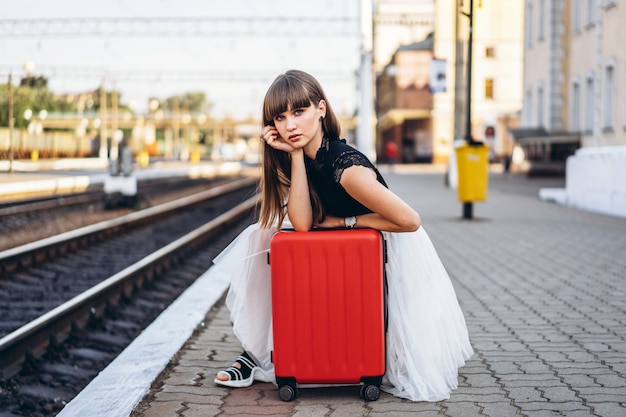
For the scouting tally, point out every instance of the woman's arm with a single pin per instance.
(299, 207)
(390, 212)
(299, 204)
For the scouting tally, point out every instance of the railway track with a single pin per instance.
(42, 217)
(72, 302)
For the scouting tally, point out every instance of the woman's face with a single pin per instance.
(301, 126)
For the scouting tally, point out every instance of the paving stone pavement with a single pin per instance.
(542, 288)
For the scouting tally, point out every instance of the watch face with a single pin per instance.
(350, 221)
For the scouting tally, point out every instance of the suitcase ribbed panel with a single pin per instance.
(327, 305)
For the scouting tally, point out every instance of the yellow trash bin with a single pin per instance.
(473, 169)
(143, 158)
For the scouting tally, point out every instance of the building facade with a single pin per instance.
(575, 97)
(405, 103)
(403, 50)
(424, 121)
(496, 78)
(575, 70)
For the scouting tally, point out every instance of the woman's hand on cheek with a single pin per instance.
(270, 135)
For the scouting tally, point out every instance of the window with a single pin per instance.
(624, 101)
(577, 10)
(540, 106)
(489, 88)
(608, 111)
(588, 126)
(541, 23)
(490, 52)
(529, 25)
(540, 117)
(528, 107)
(591, 12)
(574, 119)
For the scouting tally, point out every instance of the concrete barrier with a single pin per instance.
(596, 180)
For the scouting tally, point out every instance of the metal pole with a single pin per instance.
(468, 206)
(11, 123)
(459, 74)
(468, 121)
(365, 137)
(597, 76)
(103, 123)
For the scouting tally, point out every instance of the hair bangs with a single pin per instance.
(284, 94)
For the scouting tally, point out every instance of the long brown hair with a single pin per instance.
(291, 90)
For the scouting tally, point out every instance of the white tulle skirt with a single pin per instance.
(427, 338)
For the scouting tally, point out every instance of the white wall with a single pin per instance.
(595, 180)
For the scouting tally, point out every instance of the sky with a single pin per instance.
(250, 43)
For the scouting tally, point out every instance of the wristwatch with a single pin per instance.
(350, 221)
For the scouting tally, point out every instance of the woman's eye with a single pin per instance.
(299, 111)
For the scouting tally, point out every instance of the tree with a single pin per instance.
(193, 102)
(33, 94)
(34, 81)
(97, 95)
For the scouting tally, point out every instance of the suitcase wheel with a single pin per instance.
(287, 393)
(370, 392)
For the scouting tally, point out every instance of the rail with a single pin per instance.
(54, 326)
(12, 259)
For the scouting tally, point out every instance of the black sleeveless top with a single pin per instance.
(324, 173)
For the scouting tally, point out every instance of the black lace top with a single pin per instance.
(324, 173)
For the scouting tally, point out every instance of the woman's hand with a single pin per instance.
(270, 135)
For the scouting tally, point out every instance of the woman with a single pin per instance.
(314, 179)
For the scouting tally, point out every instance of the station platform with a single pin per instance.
(541, 286)
(51, 177)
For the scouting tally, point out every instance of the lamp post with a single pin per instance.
(42, 115)
(103, 153)
(29, 67)
(11, 123)
(30, 126)
(468, 207)
(468, 121)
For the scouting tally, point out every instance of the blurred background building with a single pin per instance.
(548, 93)
(573, 120)
(422, 80)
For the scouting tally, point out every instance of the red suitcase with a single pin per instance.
(328, 309)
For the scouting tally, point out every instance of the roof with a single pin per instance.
(541, 135)
(424, 45)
